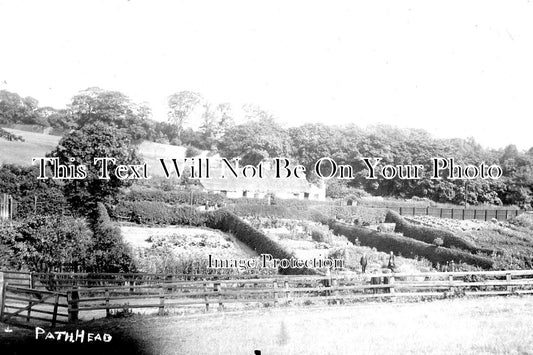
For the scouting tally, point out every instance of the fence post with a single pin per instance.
(32, 281)
(401, 214)
(3, 285)
(206, 298)
(450, 280)
(464, 210)
(218, 288)
(391, 283)
(54, 316)
(75, 296)
(452, 213)
(107, 311)
(508, 279)
(486, 215)
(275, 293)
(161, 300)
(334, 285)
(440, 213)
(287, 292)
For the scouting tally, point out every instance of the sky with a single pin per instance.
(454, 68)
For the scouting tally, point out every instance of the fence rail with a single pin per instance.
(204, 292)
(25, 306)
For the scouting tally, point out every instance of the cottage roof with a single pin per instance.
(267, 184)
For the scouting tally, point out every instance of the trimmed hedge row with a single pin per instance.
(174, 197)
(146, 212)
(230, 223)
(407, 247)
(428, 234)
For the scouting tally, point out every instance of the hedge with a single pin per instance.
(428, 234)
(407, 247)
(230, 223)
(146, 212)
(174, 197)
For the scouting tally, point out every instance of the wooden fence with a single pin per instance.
(203, 292)
(458, 213)
(26, 306)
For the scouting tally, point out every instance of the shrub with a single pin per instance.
(438, 242)
(48, 242)
(406, 246)
(110, 253)
(192, 151)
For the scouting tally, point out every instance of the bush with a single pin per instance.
(191, 152)
(109, 252)
(429, 235)
(43, 243)
(407, 247)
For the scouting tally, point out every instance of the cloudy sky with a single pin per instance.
(454, 68)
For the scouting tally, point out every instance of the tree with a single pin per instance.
(110, 107)
(180, 107)
(255, 141)
(82, 146)
(16, 109)
(253, 112)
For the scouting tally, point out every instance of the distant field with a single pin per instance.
(35, 145)
(38, 145)
(497, 325)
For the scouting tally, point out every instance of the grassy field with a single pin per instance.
(38, 145)
(462, 326)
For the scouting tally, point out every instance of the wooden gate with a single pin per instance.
(29, 307)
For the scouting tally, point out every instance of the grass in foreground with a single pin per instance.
(461, 326)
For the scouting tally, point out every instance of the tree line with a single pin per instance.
(112, 121)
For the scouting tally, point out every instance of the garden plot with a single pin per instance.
(181, 249)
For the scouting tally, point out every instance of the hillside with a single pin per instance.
(39, 144)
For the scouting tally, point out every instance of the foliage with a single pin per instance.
(255, 141)
(180, 107)
(109, 252)
(10, 136)
(82, 146)
(46, 242)
(112, 108)
(429, 235)
(32, 196)
(228, 222)
(407, 247)
(146, 212)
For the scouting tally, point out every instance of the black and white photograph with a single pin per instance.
(266, 177)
